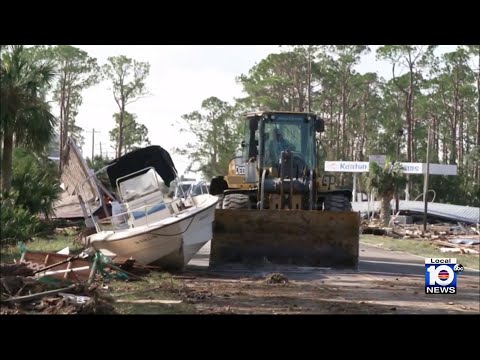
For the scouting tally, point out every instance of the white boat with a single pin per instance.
(153, 227)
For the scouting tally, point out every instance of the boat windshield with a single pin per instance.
(139, 186)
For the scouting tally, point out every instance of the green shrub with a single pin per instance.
(17, 223)
(36, 183)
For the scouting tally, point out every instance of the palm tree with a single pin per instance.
(384, 181)
(25, 117)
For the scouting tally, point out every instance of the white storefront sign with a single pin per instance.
(346, 166)
(408, 168)
(440, 169)
(412, 168)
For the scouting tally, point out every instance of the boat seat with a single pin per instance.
(147, 209)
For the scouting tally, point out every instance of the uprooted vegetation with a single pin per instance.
(20, 293)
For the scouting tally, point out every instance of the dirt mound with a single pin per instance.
(276, 278)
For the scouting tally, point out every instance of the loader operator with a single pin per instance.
(277, 145)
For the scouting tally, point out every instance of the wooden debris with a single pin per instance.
(440, 234)
(40, 262)
(15, 270)
(452, 250)
(149, 301)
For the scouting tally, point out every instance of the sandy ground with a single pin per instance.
(327, 291)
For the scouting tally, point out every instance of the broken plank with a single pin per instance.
(444, 243)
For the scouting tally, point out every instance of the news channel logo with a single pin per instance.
(441, 276)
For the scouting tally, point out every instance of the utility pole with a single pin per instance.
(397, 197)
(93, 142)
(101, 153)
(425, 182)
(60, 145)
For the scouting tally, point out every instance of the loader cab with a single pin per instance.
(268, 134)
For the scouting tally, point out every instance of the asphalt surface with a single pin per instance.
(373, 260)
(390, 281)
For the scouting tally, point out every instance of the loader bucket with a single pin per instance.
(285, 237)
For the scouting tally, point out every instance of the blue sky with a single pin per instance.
(181, 77)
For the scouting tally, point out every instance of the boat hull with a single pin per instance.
(170, 243)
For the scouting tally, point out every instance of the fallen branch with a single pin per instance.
(139, 291)
(116, 268)
(38, 295)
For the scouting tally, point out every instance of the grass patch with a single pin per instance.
(421, 248)
(50, 244)
(157, 286)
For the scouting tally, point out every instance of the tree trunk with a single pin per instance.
(477, 139)
(67, 113)
(330, 149)
(410, 94)
(120, 131)
(436, 140)
(60, 150)
(344, 115)
(337, 147)
(453, 144)
(414, 138)
(385, 210)
(7, 156)
(309, 85)
(62, 116)
(445, 150)
(460, 135)
(453, 126)
(410, 128)
(362, 149)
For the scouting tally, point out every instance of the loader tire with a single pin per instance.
(337, 203)
(236, 201)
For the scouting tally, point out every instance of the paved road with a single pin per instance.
(391, 280)
(373, 260)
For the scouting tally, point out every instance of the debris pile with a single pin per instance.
(454, 238)
(276, 278)
(59, 283)
(22, 293)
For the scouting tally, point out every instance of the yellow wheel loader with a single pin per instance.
(277, 206)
